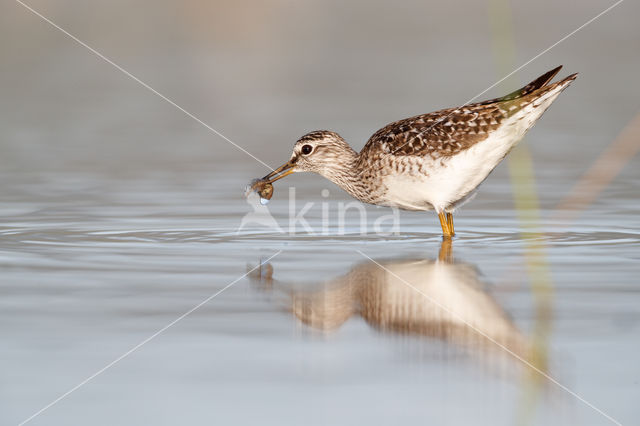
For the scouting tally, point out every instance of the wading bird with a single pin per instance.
(434, 161)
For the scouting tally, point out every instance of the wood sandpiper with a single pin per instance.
(434, 161)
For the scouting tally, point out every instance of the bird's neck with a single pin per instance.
(345, 172)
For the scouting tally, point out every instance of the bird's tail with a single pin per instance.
(550, 91)
(536, 84)
(530, 107)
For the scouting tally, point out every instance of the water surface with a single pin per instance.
(119, 214)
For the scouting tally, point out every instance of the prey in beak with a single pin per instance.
(264, 186)
(282, 171)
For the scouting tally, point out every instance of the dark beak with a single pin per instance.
(282, 171)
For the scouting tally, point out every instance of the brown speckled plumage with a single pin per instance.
(446, 132)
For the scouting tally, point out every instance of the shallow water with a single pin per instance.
(119, 215)
(93, 265)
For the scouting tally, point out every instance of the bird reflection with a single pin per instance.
(436, 298)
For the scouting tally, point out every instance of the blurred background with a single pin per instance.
(118, 212)
(263, 73)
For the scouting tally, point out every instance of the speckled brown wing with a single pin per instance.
(447, 132)
(438, 134)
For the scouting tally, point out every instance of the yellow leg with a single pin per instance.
(446, 233)
(450, 223)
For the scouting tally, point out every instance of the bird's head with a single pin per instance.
(321, 151)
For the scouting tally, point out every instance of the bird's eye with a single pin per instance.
(306, 149)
